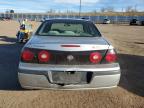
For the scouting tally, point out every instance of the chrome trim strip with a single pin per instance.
(48, 73)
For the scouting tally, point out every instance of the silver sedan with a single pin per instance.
(68, 54)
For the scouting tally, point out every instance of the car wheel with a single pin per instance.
(142, 23)
(130, 23)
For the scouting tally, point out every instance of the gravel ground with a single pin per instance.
(129, 42)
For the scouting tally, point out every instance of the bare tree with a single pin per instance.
(6, 11)
(129, 9)
(103, 9)
(110, 9)
(51, 11)
(94, 11)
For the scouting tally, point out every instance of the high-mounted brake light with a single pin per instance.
(44, 56)
(70, 45)
(95, 57)
(27, 55)
(111, 56)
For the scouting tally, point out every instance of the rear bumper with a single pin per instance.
(33, 77)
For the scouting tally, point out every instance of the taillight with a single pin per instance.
(95, 57)
(44, 56)
(111, 56)
(27, 55)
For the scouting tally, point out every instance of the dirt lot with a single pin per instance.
(129, 42)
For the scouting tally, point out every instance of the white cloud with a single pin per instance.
(76, 2)
(5, 2)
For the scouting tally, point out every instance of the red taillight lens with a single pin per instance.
(27, 55)
(111, 56)
(95, 57)
(44, 56)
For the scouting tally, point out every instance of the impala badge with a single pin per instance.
(70, 57)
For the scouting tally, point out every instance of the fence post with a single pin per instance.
(98, 19)
(116, 19)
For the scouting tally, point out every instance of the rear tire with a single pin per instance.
(130, 24)
(142, 23)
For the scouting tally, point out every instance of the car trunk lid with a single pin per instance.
(68, 43)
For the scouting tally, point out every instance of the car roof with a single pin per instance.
(69, 19)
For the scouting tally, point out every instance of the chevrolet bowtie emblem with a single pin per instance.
(70, 57)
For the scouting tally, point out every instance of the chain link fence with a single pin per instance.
(95, 19)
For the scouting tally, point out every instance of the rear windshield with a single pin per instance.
(68, 28)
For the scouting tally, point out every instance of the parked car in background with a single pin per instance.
(5, 18)
(43, 19)
(136, 22)
(106, 21)
(68, 54)
(1, 18)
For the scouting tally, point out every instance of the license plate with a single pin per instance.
(66, 77)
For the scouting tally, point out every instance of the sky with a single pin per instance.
(38, 6)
